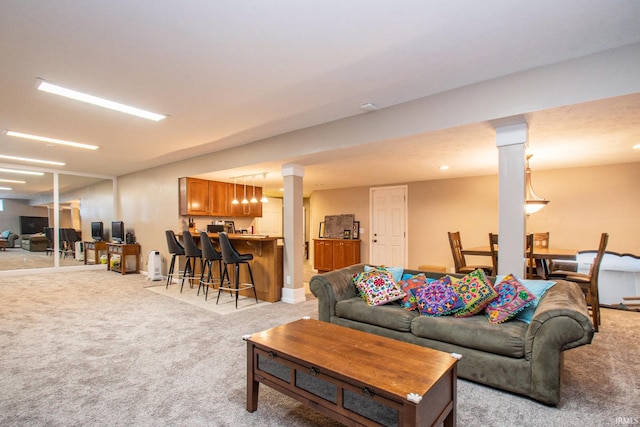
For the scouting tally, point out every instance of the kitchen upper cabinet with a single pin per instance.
(194, 196)
(248, 209)
(201, 197)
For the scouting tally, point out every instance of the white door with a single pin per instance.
(388, 226)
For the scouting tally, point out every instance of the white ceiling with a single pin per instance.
(231, 72)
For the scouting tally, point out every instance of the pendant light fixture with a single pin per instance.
(264, 198)
(235, 197)
(253, 199)
(245, 201)
(533, 203)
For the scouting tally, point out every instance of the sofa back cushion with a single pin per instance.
(390, 316)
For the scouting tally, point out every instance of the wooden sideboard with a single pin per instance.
(331, 254)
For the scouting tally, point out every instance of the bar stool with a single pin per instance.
(176, 250)
(191, 253)
(231, 256)
(209, 256)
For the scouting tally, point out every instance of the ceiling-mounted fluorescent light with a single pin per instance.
(6, 188)
(101, 102)
(13, 181)
(21, 172)
(51, 140)
(26, 159)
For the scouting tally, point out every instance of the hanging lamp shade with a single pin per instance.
(533, 203)
(264, 198)
(235, 198)
(244, 200)
(253, 199)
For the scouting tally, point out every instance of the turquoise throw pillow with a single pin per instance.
(5, 234)
(538, 288)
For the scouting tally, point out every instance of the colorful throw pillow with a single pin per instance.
(408, 283)
(437, 298)
(538, 288)
(5, 234)
(513, 297)
(476, 292)
(377, 287)
(395, 271)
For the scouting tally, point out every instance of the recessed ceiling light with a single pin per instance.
(27, 159)
(101, 102)
(636, 147)
(51, 140)
(444, 167)
(13, 181)
(21, 171)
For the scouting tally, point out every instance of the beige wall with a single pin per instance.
(583, 203)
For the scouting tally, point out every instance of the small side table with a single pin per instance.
(96, 247)
(122, 250)
(3, 245)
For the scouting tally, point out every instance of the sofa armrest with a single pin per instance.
(561, 322)
(333, 286)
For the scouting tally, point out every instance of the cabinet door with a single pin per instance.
(219, 201)
(248, 209)
(345, 253)
(194, 196)
(322, 255)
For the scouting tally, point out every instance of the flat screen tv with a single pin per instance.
(33, 224)
(117, 231)
(97, 231)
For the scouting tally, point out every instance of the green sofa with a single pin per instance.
(34, 242)
(521, 358)
(10, 237)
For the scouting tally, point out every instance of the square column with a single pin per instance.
(511, 141)
(293, 227)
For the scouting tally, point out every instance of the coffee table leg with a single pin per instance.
(252, 384)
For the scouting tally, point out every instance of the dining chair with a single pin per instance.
(541, 268)
(458, 257)
(588, 282)
(493, 247)
(192, 253)
(532, 269)
(176, 250)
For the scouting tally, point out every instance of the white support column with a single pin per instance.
(511, 142)
(293, 257)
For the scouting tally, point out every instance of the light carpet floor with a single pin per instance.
(98, 348)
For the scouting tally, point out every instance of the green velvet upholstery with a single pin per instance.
(522, 358)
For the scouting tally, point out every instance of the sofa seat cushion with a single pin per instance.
(506, 339)
(390, 316)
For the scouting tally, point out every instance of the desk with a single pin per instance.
(538, 253)
(96, 247)
(123, 250)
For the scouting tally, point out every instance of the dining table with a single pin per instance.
(542, 256)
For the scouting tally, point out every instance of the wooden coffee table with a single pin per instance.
(352, 376)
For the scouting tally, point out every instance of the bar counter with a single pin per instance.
(266, 265)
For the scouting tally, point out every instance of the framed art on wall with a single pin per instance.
(355, 232)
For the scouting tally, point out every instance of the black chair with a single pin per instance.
(191, 253)
(70, 237)
(48, 232)
(209, 256)
(175, 249)
(231, 256)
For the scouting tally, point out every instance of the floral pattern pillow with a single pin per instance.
(437, 298)
(407, 284)
(377, 287)
(513, 297)
(476, 292)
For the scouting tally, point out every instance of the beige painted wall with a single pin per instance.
(584, 202)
